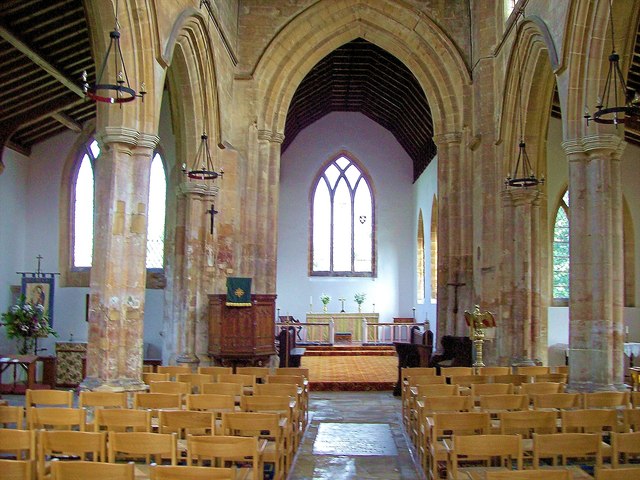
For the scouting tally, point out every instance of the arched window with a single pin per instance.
(82, 191)
(342, 221)
(420, 267)
(156, 214)
(434, 250)
(561, 252)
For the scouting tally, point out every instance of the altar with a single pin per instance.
(343, 323)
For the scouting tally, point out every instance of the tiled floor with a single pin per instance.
(355, 435)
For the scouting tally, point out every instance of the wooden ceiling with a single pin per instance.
(44, 48)
(362, 77)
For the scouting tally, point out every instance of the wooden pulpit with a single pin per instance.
(242, 335)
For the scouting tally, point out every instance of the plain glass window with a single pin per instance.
(156, 214)
(342, 242)
(83, 208)
(561, 251)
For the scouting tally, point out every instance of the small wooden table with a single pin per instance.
(26, 363)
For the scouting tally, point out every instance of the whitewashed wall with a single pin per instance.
(393, 290)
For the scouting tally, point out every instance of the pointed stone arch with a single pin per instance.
(403, 31)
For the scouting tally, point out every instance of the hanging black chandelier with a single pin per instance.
(202, 167)
(119, 91)
(616, 102)
(523, 175)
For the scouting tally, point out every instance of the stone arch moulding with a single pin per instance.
(190, 33)
(403, 31)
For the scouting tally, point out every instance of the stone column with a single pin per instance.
(596, 334)
(118, 273)
(455, 228)
(520, 331)
(191, 259)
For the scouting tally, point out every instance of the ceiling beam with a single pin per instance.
(67, 121)
(36, 58)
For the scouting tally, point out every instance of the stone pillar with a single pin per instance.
(455, 229)
(118, 273)
(596, 333)
(191, 258)
(521, 340)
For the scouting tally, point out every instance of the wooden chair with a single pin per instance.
(85, 446)
(503, 403)
(293, 371)
(173, 370)
(157, 401)
(532, 371)
(247, 381)
(625, 446)
(210, 402)
(261, 426)
(478, 389)
(180, 388)
(635, 399)
(417, 393)
(16, 469)
(464, 382)
(183, 472)
(56, 418)
(482, 448)
(184, 423)
(602, 422)
(196, 380)
(561, 369)
(492, 371)
(413, 381)
(223, 388)
(540, 388)
(18, 444)
(12, 417)
(442, 426)
(124, 420)
(156, 446)
(155, 377)
(618, 474)
(245, 453)
(514, 379)
(261, 373)
(92, 400)
(91, 470)
(148, 368)
(631, 420)
(456, 371)
(215, 371)
(561, 474)
(606, 400)
(566, 445)
(303, 385)
(291, 391)
(556, 401)
(48, 398)
(525, 423)
(427, 407)
(551, 377)
(285, 407)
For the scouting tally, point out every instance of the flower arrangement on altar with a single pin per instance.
(359, 299)
(325, 299)
(27, 322)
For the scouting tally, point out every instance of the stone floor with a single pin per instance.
(355, 435)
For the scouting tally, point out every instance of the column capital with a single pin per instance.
(270, 136)
(595, 143)
(191, 187)
(447, 138)
(127, 136)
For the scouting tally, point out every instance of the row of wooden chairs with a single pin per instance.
(267, 431)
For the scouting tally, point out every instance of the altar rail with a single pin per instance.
(376, 333)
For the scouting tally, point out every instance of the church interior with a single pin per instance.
(248, 183)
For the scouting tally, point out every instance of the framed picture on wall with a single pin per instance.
(39, 291)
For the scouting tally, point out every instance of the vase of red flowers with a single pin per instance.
(26, 323)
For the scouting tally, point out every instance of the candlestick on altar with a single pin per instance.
(477, 321)
(342, 299)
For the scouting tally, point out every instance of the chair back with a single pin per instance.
(618, 474)
(414, 380)
(247, 381)
(437, 390)
(83, 470)
(124, 420)
(157, 401)
(551, 377)
(184, 472)
(186, 422)
(56, 418)
(540, 388)
(463, 423)
(478, 389)
(154, 446)
(455, 371)
(219, 449)
(181, 388)
(631, 420)
(501, 403)
(20, 444)
(515, 379)
(148, 377)
(11, 417)
(215, 371)
(89, 446)
(196, 380)
(468, 380)
(261, 373)
(447, 403)
(102, 399)
(508, 448)
(532, 371)
(223, 388)
(589, 421)
(49, 398)
(293, 371)
(173, 370)
(527, 422)
(606, 400)
(561, 474)
(556, 401)
(624, 445)
(566, 445)
(491, 371)
(277, 389)
(407, 372)
(16, 469)
(211, 402)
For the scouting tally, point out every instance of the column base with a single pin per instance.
(589, 387)
(95, 384)
(522, 362)
(190, 359)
